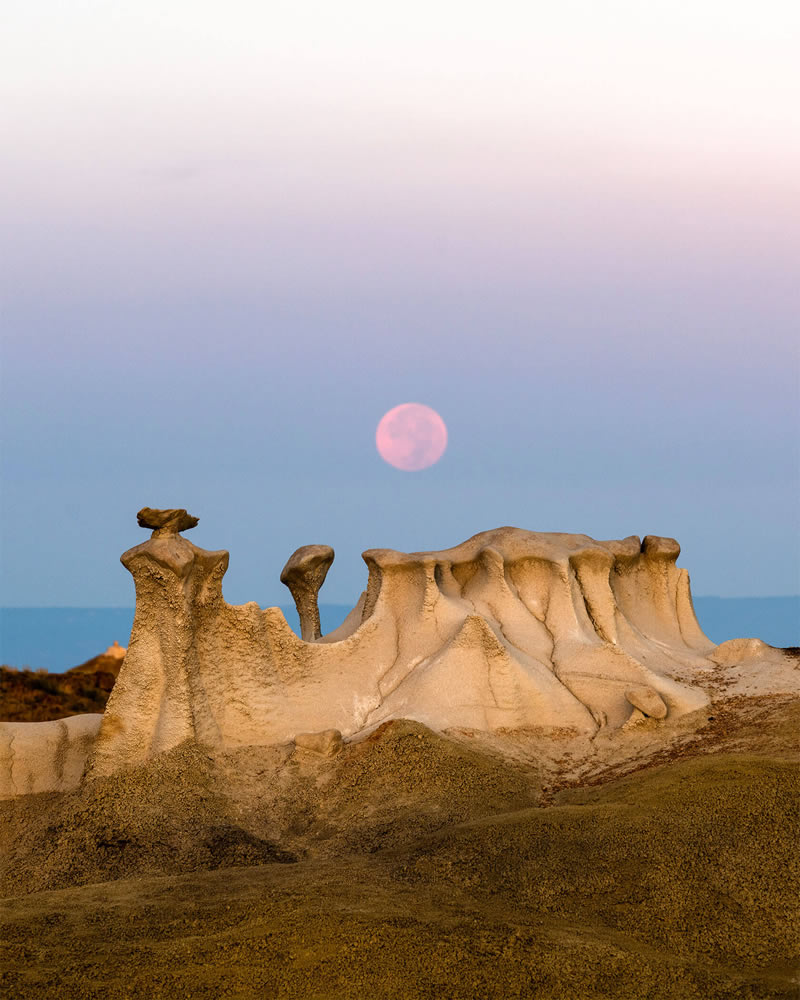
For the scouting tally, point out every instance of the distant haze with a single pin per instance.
(234, 236)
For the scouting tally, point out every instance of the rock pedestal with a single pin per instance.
(511, 629)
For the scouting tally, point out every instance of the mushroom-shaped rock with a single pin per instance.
(166, 522)
(304, 574)
(327, 743)
(648, 701)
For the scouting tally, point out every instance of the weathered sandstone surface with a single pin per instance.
(45, 756)
(511, 630)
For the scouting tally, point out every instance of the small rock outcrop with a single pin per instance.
(327, 743)
(648, 701)
(115, 651)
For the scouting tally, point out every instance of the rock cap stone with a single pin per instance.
(309, 561)
(166, 522)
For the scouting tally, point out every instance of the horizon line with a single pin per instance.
(338, 604)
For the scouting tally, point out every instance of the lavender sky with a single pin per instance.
(234, 235)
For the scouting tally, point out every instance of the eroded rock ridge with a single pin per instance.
(512, 629)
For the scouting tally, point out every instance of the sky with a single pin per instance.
(235, 235)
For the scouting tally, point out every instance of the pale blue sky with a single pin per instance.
(234, 236)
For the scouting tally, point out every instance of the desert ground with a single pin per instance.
(657, 862)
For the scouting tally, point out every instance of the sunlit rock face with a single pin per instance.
(45, 756)
(511, 629)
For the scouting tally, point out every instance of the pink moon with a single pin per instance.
(411, 437)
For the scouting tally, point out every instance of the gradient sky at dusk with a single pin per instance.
(235, 235)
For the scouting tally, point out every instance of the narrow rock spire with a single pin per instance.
(304, 574)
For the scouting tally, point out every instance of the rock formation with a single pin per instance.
(304, 574)
(510, 630)
(45, 756)
(166, 522)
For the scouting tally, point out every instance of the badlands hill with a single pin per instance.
(39, 696)
(518, 770)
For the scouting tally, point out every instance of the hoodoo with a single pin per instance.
(512, 629)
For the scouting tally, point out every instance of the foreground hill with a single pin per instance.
(39, 696)
(420, 865)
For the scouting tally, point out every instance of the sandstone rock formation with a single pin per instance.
(510, 630)
(45, 756)
(115, 651)
(304, 574)
(166, 522)
(327, 743)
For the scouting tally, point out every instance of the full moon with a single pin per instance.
(411, 437)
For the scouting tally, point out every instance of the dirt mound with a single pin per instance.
(419, 865)
(404, 781)
(168, 817)
(675, 884)
(188, 811)
(697, 858)
(399, 783)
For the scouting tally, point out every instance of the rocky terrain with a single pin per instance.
(40, 696)
(416, 864)
(519, 769)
